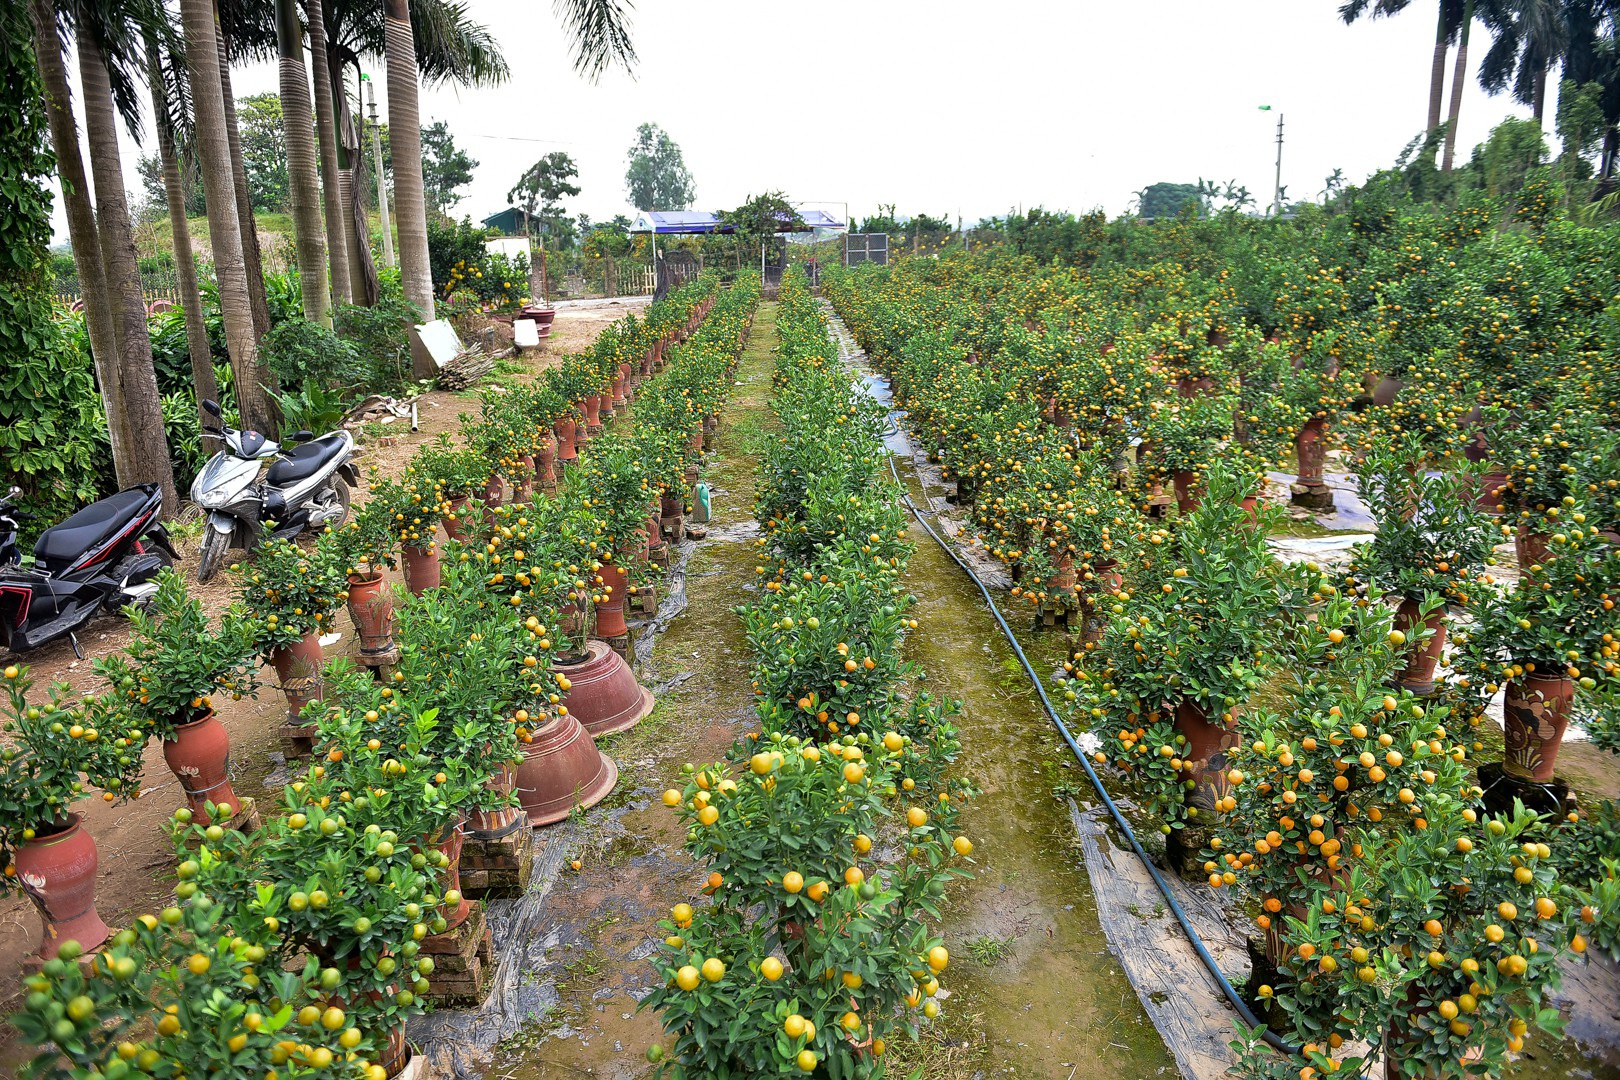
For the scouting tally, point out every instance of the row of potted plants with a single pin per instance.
(1289, 729)
(814, 950)
(359, 865)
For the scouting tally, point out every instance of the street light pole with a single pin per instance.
(382, 186)
(1277, 195)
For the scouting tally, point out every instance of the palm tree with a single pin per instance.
(298, 122)
(1459, 78)
(326, 134)
(170, 105)
(224, 224)
(1449, 20)
(82, 235)
(405, 135)
(252, 262)
(110, 45)
(1530, 37)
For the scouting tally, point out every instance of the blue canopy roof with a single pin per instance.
(668, 222)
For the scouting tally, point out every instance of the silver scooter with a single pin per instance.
(306, 487)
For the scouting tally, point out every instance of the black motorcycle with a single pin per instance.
(100, 559)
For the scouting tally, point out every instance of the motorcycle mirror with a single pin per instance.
(13, 492)
(302, 436)
(212, 408)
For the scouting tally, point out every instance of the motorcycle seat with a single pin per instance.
(59, 545)
(302, 462)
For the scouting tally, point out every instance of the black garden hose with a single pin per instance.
(1226, 987)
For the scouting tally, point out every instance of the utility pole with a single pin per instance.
(1277, 197)
(382, 185)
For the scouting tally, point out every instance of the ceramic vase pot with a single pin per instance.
(655, 530)
(1421, 660)
(610, 608)
(450, 845)
(1387, 389)
(571, 626)
(671, 509)
(422, 570)
(1310, 450)
(371, 606)
(564, 430)
(525, 485)
(1535, 715)
(1103, 581)
(545, 469)
(1205, 753)
(455, 524)
(494, 492)
(395, 1054)
(561, 769)
(603, 693)
(298, 670)
(494, 824)
(593, 414)
(199, 755)
(1182, 480)
(58, 871)
(1530, 547)
(1490, 493)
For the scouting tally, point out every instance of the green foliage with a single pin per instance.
(540, 191)
(51, 432)
(761, 218)
(381, 336)
(1164, 200)
(53, 751)
(264, 151)
(657, 177)
(287, 592)
(304, 354)
(311, 408)
(446, 168)
(175, 660)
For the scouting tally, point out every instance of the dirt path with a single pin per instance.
(601, 920)
(135, 872)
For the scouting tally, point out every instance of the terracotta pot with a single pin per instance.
(1535, 715)
(451, 847)
(493, 824)
(1387, 389)
(562, 769)
(1310, 448)
(671, 509)
(617, 394)
(371, 606)
(1205, 754)
(610, 609)
(1251, 507)
(593, 414)
(395, 1053)
(545, 469)
(571, 625)
(421, 569)
(1418, 677)
(1105, 579)
(298, 670)
(199, 755)
(1490, 489)
(455, 526)
(655, 531)
(1186, 500)
(1198, 387)
(1530, 547)
(525, 485)
(603, 693)
(494, 492)
(564, 430)
(1062, 582)
(58, 872)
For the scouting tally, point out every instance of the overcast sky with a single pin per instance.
(949, 107)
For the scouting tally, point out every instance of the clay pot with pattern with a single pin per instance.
(545, 458)
(371, 606)
(1535, 716)
(564, 429)
(1421, 660)
(199, 755)
(610, 608)
(422, 569)
(57, 869)
(298, 671)
(450, 845)
(603, 693)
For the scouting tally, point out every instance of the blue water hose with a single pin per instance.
(1226, 987)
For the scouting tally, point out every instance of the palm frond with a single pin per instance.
(120, 29)
(451, 47)
(600, 30)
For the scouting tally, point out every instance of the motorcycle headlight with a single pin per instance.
(212, 500)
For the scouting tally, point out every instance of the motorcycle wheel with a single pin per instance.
(340, 490)
(211, 552)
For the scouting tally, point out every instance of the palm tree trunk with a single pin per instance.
(326, 130)
(1459, 77)
(203, 381)
(1437, 72)
(143, 406)
(298, 122)
(86, 243)
(405, 133)
(224, 224)
(1538, 106)
(251, 258)
(362, 268)
(354, 233)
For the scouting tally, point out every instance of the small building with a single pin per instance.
(512, 222)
